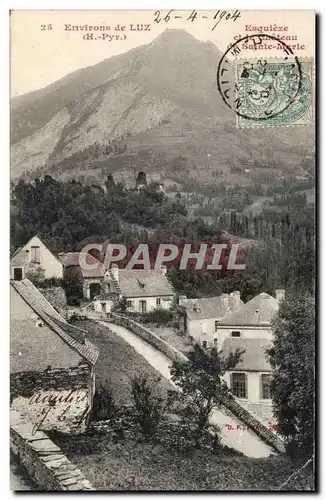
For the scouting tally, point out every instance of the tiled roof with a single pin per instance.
(258, 311)
(144, 283)
(254, 358)
(212, 307)
(74, 337)
(73, 259)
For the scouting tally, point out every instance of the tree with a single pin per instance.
(73, 283)
(148, 408)
(35, 274)
(292, 357)
(201, 385)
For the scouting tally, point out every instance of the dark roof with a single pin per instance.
(73, 259)
(72, 336)
(258, 311)
(207, 308)
(254, 358)
(144, 283)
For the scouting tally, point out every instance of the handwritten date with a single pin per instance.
(218, 16)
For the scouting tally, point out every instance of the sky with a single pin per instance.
(43, 51)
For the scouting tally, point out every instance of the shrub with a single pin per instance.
(104, 406)
(158, 316)
(148, 408)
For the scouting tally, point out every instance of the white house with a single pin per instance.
(35, 254)
(228, 323)
(249, 329)
(202, 316)
(144, 290)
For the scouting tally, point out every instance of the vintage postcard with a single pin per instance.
(162, 266)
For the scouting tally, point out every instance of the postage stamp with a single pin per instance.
(264, 91)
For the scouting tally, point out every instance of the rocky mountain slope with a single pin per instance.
(160, 97)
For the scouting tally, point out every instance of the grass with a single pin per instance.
(136, 466)
(118, 362)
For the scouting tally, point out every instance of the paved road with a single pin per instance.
(245, 441)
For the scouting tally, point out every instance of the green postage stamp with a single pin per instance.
(274, 92)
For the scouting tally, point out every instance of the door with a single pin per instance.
(18, 273)
(94, 290)
(143, 306)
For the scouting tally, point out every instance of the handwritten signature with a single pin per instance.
(55, 402)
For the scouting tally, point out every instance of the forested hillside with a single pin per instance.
(279, 249)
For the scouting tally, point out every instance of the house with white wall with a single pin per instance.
(35, 254)
(249, 329)
(52, 378)
(225, 321)
(144, 290)
(202, 316)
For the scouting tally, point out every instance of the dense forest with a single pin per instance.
(280, 252)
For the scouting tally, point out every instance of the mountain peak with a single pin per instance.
(176, 35)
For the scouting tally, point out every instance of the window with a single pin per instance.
(265, 386)
(35, 256)
(235, 334)
(158, 302)
(204, 344)
(216, 325)
(129, 303)
(239, 385)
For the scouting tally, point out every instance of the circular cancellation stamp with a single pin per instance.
(266, 91)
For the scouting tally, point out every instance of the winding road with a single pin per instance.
(244, 441)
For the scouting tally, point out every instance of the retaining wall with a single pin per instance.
(174, 354)
(153, 339)
(43, 460)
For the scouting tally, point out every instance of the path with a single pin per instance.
(245, 441)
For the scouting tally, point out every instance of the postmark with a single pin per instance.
(264, 87)
(265, 91)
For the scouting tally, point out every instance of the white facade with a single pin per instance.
(32, 255)
(147, 304)
(202, 330)
(248, 332)
(254, 387)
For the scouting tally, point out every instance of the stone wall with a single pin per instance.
(43, 460)
(153, 339)
(171, 352)
(54, 399)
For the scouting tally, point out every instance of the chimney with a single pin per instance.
(225, 300)
(234, 301)
(280, 295)
(182, 300)
(115, 272)
(163, 269)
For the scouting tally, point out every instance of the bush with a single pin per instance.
(77, 317)
(51, 283)
(73, 301)
(158, 316)
(104, 406)
(35, 274)
(148, 408)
